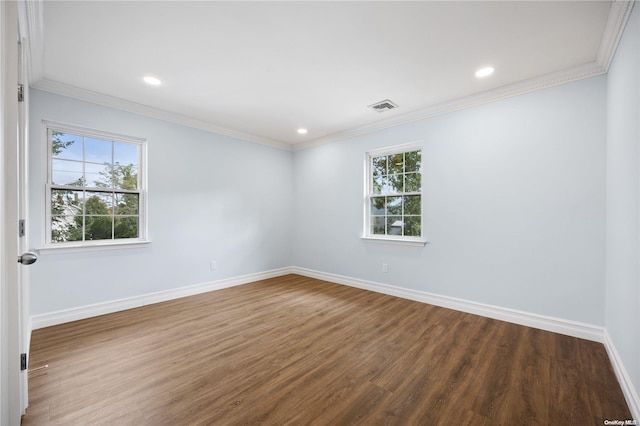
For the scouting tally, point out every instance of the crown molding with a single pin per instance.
(148, 111)
(616, 21)
(30, 20)
(31, 23)
(32, 34)
(549, 80)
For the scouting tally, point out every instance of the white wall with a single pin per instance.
(211, 197)
(622, 307)
(514, 197)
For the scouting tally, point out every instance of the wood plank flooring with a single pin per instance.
(299, 351)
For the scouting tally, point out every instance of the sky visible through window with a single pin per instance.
(78, 159)
(95, 188)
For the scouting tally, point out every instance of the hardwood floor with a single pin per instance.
(295, 350)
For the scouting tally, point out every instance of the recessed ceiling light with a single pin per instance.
(153, 81)
(484, 72)
(302, 131)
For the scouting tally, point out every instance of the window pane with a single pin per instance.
(412, 182)
(98, 175)
(379, 166)
(396, 163)
(66, 173)
(412, 226)
(125, 177)
(126, 227)
(394, 225)
(378, 225)
(394, 205)
(64, 145)
(98, 228)
(66, 202)
(412, 204)
(66, 228)
(127, 204)
(396, 184)
(377, 185)
(125, 154)
(98, 203)
(377, 206)
(413, 161)
(98, 151)
(388, 184)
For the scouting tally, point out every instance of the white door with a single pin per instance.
(15, 333)
(26, 257)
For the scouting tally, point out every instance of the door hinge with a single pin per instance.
(23, 362)
(21, 228)
(20, 92)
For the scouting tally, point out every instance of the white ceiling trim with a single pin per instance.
(555, 79)
(617, 20)
(31, 23)
(618, 16)
(148, 111)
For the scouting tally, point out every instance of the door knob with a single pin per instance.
(27, 258)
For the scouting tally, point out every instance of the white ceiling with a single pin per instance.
(260, 70)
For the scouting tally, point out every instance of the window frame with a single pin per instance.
(48, 245)
(367, 235)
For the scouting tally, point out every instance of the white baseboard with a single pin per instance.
(88, 311)
(629, 391)
(556, 325)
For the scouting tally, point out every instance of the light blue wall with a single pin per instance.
(622, 307)
(211, 197)
(514, 197)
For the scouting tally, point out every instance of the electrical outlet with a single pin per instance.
(385, 268)
(213, 265)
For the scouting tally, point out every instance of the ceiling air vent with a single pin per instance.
(383, 105)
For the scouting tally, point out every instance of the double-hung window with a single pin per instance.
(96, 187)
(393, 199)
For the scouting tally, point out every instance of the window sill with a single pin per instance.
(414, 242)
(97, 246)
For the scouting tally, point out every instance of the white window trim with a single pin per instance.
(375, 238)
(49, 247)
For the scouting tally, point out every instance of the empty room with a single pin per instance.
(320, 212)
